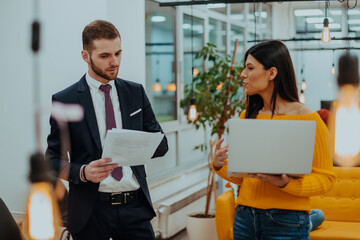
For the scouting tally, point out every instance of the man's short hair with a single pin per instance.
(98, 29)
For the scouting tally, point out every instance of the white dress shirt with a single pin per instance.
(110, 184)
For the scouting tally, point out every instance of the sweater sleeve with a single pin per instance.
(322, 177)
(222, 171)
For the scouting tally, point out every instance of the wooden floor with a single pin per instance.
(181, 236)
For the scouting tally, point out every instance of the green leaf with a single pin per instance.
(210, 101)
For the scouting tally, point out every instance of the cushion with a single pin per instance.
(335, 230)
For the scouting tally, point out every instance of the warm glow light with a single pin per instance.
(345, 128)
(333, 71)
(171, 87)
(325, 35)
(219, 87)
(41, 212)
(303, 85)
(196, 72)
(192, 113)
(157, 86)
(302, 97)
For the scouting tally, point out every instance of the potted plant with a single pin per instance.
(217, 93)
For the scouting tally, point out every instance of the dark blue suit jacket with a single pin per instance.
(85, 145)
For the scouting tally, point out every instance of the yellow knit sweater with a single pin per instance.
(295, 196)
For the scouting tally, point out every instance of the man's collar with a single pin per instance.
(96, 84)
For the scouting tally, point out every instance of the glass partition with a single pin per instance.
(217, 34)
(161, 84)
(192, 44)
(237, 33)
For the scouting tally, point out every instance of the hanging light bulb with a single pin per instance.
(192, 115)
(195, 72)
(171, 87)
(157, 86)
(42, 211)
(344, 121)
(325, 35)
(303, 85)
(219, 87)
(302, 97)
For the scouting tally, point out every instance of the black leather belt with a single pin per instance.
(119, 197)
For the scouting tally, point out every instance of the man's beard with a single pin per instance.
(101, 73)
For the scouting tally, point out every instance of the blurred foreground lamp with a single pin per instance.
(344, 125)
(192, 114)
(302, 96)
(157, 86)
(325, 35)
(42, 210)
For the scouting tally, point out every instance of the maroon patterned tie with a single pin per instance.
(110, 123)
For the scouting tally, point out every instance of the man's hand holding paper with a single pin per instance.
(130, 147)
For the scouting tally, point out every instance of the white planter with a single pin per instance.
(201, 228)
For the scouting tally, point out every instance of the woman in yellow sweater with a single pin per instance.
(271, 206)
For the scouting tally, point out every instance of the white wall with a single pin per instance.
(16, 108)
(129, 18)
(60, 64)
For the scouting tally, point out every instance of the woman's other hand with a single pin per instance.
(278, 180)
(220, 155)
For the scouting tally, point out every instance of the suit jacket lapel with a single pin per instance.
(124, 103)
(90, 117)
(125, 106)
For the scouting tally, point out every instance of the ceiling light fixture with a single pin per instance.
(158, 18)
(325, 35)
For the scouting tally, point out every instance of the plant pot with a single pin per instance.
(201, 228)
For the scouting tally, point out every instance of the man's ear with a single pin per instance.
(86, 56)
(272, 73)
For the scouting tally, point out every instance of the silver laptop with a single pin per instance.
(270, 146)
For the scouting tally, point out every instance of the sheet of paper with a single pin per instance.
(130, 147)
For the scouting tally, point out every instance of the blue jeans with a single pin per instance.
(316, 218)
(270, 224)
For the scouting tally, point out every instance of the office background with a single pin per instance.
(151, 50)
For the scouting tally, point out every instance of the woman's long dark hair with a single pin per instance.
(273, 54)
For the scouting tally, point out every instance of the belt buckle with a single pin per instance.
(125, 197)
(112, 199)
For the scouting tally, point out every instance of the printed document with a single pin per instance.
(130, 147)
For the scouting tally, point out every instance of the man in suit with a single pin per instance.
(104, 200)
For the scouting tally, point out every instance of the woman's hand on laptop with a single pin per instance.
(278, 180)
(220, 156)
